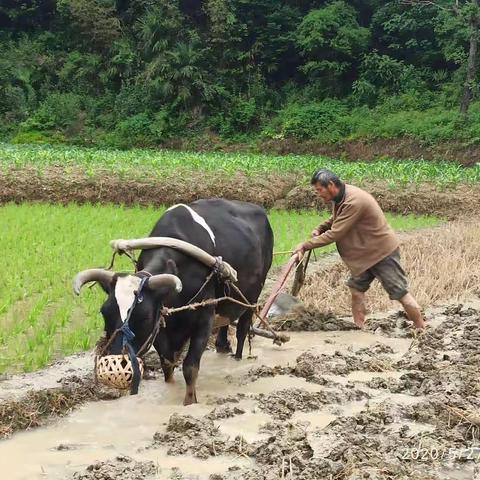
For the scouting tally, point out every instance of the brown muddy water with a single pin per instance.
(100, 430)
(342, 404)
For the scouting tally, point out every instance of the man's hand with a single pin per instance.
(315, 232)
(300, 250)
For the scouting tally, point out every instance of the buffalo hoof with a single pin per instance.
(223, 349)
(190, 400)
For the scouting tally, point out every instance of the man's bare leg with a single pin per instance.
(359, 310)
(412, 310)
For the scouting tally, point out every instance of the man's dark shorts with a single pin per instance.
(390, 274)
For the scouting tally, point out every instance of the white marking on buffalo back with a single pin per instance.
(125, 293)
(197, 218)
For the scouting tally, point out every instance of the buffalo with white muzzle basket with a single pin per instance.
(151, 308)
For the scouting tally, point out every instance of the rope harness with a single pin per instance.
(222, 270)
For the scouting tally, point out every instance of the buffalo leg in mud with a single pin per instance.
(243, 326)
(222, 345)
(191, 364)
(168, 367)
(167, 361)
(168, 351)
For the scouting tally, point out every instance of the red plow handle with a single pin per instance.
(279, 285)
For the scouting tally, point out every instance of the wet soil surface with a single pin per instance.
(378, 404)
(301, 319)
(121, 468)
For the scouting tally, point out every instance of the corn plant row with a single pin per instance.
(145, 163)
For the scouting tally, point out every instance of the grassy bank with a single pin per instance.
(45, 246)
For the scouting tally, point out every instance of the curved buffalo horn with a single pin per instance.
(155, 242)
(165, 280)
(185, 247)
(92, 275)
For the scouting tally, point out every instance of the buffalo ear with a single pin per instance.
(171, 267)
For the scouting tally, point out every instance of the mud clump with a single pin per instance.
(223, 412)
(310, 375)
(228, 399)
(197, 436)
(377, 348)
(395, 325)
(284, 403)
(285, 453)
(444, 362)
(460, 310)
(62, 447)
(299, 318)
(263, 372)
(311, 366)
(285, 441)
(122, 468)
(379, 440)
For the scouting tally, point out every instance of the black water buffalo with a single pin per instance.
(238, 232)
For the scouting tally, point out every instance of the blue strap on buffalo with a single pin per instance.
(128, 337)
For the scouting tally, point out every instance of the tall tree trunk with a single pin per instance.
(472, 60)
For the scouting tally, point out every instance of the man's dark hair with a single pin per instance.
(324, 177)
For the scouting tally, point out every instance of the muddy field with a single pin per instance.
(334, 403)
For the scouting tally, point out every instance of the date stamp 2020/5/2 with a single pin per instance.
(431, 454)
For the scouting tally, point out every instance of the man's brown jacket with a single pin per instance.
(360, 230)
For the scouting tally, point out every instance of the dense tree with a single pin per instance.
(331, 41)
(141, 71)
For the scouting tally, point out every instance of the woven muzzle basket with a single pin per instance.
(116, 370)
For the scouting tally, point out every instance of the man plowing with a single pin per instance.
(365, 242)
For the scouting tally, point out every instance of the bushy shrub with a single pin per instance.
(35, 137)
(382, 76)
(323, 121)
(131, 100)
(238, 116)
(404, 115)
(134, 130)
(142, 129)
(57, 111)
(13, 107)
(428, 125)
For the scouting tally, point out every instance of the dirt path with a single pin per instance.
(329, 404)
